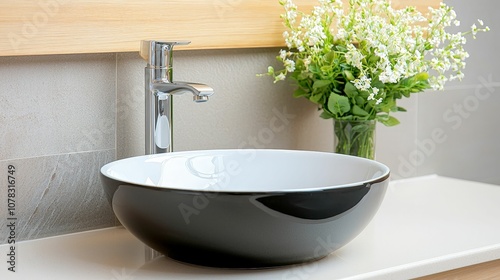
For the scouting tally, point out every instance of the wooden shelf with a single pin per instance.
(94, 26)
(488, 270)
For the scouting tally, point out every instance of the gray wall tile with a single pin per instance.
(130, 105)
(56, 104)
(394, 145)
(467, 120)
(57, 118)
(57, 195)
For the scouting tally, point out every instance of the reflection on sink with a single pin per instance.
(245, 208)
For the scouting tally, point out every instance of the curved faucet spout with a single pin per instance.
(200, 92)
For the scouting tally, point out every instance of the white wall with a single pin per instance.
(62, 117)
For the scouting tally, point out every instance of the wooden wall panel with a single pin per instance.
(34, 27)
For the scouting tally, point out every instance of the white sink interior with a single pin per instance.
(245, 170)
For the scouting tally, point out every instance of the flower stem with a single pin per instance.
(355, 138)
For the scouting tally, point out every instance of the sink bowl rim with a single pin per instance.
(382, 177)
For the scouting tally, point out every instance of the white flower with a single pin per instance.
(279, 77)
(283, 54)
(289, 65)
(474, 29)
(307, 61)
(354, 57)
(363, 83)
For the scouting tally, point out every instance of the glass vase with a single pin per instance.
(356, 138)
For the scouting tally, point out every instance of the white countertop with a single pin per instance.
(425, 225)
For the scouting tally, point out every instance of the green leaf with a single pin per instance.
(316, 98)
(388, 120)
(424, 76)
(338, 104)
(360, 100)
(360, 128)
(378, 84)
(313, 68)
(321, 83)
(364, 94)
(341, 48)
(300, 93)
(350, 90)
(348, 75)
(401, 109)
(326, 115)
(301, 76)
(387, 105)
(329, 57)
(326, 69)
(373, 59)
(356, 110)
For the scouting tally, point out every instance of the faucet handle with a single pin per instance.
(158, 54)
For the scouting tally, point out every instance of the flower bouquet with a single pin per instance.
(356, 60)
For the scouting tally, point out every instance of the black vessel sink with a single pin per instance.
(245, 208)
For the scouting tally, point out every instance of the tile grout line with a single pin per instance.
(470, 86)
(58, 154)
(116, 106)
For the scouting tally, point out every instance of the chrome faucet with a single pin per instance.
(159, 91)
